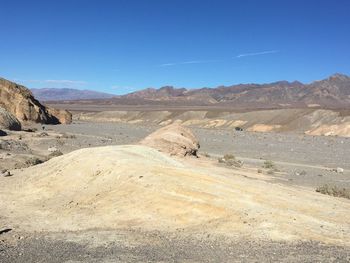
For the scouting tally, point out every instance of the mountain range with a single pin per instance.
(49, 94)
(332, 92)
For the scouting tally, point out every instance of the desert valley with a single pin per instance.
(162, 179)
(182, 131)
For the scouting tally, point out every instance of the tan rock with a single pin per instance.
(19, 101)
(8, 121)
(173, 139)
(63, 116)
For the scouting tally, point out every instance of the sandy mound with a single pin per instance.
(331, 130)
(8, 121)
(118, 187)
(173, 139)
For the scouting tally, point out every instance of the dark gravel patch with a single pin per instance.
(163, 248)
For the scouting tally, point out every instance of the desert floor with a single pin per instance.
(302, 159)
(303, 162)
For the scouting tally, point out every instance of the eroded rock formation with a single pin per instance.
(173, 139)
(19, 101)
(8, 121)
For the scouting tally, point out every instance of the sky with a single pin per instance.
(122, 46)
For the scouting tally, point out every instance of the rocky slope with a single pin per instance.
(55, 94)
(19, 101)
(8, 121)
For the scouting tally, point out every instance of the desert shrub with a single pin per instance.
(230, 160)
(33, 161)
(268, 164)
(67, 136)
(60, 142)
(334, 190)
(229, 156)
(259, 171)
(55, 154)
(43, 134)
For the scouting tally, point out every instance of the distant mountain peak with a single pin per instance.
(339, 76)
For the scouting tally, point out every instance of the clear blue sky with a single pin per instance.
(121, 46)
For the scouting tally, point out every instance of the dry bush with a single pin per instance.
(33, 161)
(43, 134)
(334, 190)
(268, 164)
(229, 156)
(230, 160)
(55, 154)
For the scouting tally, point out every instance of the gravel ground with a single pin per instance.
(302, 160)
(157, 247)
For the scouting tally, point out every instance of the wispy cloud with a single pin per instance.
(257, 53)
(219, 60)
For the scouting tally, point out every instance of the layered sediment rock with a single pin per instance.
(8, 121)
(19, 101)
(173, 139)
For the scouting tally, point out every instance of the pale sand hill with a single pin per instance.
(131, 186)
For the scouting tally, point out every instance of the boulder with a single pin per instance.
(173, 139)
(19, 101)
(8, 121)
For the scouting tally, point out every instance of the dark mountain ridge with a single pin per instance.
(332, 93)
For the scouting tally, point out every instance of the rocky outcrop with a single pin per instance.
(8, 121)
(19, 101)
(173, 139)
(63, 116)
